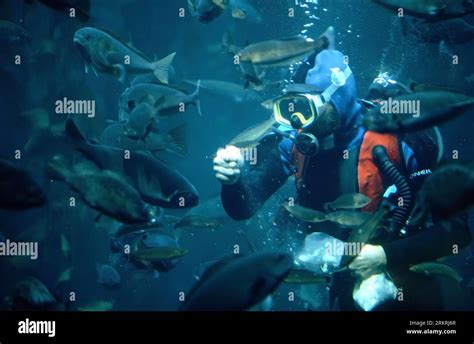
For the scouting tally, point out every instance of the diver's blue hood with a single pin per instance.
(344, 99)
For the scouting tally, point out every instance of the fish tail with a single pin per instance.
(161, 68)
(192, 8)
(195, 97)
(178, 138)
(73, 131)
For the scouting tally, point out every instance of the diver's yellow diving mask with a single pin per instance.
(297, 110)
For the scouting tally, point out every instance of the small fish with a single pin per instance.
(453, 31)
(38, 118)
(108, 276)
(31, 294)
(65, 275)
(239, 282)
(139, 122)
(348, 218)
(65, 246)
(434, 269)
(173, 141)
(305, 214)
(365, 232)
(158, 239)
(229, 89)
(239, 13)
(105, 53)
(13, 33)
(435, 107)
(298, 276)
(18, 190)
(431, 10)
(105, 191)
(97, 306)
(157, 183)
(207, 10)
(166, 100)
(158, 254)
(350, 201)
(198, 221)
(137, 228)
(251, 136)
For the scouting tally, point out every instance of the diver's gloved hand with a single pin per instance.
(370, 261)
(227, 165)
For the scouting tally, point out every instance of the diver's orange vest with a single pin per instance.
(369, 179)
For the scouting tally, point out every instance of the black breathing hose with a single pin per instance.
(401, 214)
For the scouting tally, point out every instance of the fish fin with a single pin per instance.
(178, 138)
(330, 34)
(161, 68)
(73, 131)
(86, 68)
(122, 72)
(192, 8)
(196, 100)
(58, 168)
(93, 69)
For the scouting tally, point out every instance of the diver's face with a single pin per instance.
(327, 123)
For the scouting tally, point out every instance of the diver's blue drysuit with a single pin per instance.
(328, 174)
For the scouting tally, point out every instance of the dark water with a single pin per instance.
(369, 35)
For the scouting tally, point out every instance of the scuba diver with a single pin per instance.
(320, 142)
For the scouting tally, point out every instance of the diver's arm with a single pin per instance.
(256, 183)
(434, 242)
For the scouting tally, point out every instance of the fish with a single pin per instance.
(416, 87)
(137, 228)
(453, 31)
(12, 33)
(239, 13)
(228, 44)
(18, 190)
(430, 10)
(364, 233)
(207, 10)
(446, 192)
(65, 246)
(65, 275)
(437, 269)
(157, 183)
(198, 221)
(238, 282)
(284, 52)
(158, 254)
(139, 122)
(166, 100)
(97, 306)
(436, 107)
(108, 276)
(348, 218)
(32, 294)
(301, 276)
(158, 239)
(228, 89)
(37, 118)
(349, 201)
(174, 141)
(305, 214)
(105, 53)
(104, 191)
(279, 53)
(250, 137)
(82, 7)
